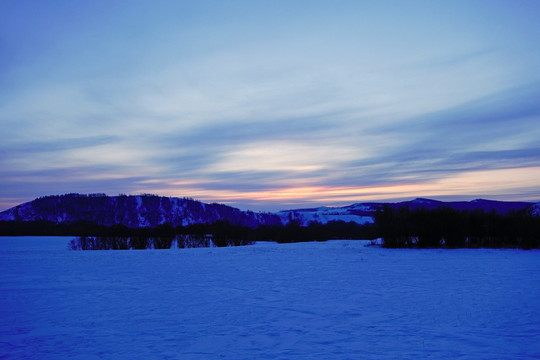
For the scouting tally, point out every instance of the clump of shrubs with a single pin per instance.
(450, 228)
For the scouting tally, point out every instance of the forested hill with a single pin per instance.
(152, 210)
(363, 213)
(500, 207)
(132, 211)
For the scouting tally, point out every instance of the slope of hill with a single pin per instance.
(132, 211)
(362, 213)
(535, 209)
(358, 213)
(501, 207)
(151, 210)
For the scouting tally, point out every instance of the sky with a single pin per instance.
(269, 105)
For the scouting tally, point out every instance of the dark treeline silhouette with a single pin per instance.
(449, 228)
(220, 233)
(132, 211)
(398, 227)
(144, 242)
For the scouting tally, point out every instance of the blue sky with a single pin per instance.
(270, 104)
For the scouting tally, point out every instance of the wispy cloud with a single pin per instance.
(256, 103)
(496, 131)
(56, 145)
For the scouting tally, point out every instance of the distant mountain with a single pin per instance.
(362, 213)
(151, 210)
(358, 213)
(500, 207)
(132, 211)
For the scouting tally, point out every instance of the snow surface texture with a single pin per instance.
(332, 300)
(535, 210)
(325, 214)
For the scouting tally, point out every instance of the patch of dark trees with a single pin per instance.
(145, 242)
(445, 227)
(124, 209)
(442, 227)
(221, 233)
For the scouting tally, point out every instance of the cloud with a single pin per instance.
(56, 145)
(29, 183)
(329, 150)
(500, 128)
(242, 100)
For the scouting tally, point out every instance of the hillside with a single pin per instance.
(132, 211)
(362, 213)
(535, 209)
(151, 211)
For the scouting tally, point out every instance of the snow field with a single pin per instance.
(331, 300)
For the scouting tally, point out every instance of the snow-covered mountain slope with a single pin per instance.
(358, 213)
(151, 210)
(535, 209)
(132, 211)
(362, 213)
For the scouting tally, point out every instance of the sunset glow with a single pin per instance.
(270, 105)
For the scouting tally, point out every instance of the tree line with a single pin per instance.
(220, 233)
(402, 227)
(449, 228)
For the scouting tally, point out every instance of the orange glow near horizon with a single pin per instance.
(519, 184)
(488, 182)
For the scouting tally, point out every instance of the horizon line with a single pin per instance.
(454, 198)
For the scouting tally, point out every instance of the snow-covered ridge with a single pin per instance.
(151, 211)
(361, 215)
(132, 211)
(535, 209)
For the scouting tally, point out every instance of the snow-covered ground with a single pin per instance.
(332, 300)
(325, 214)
